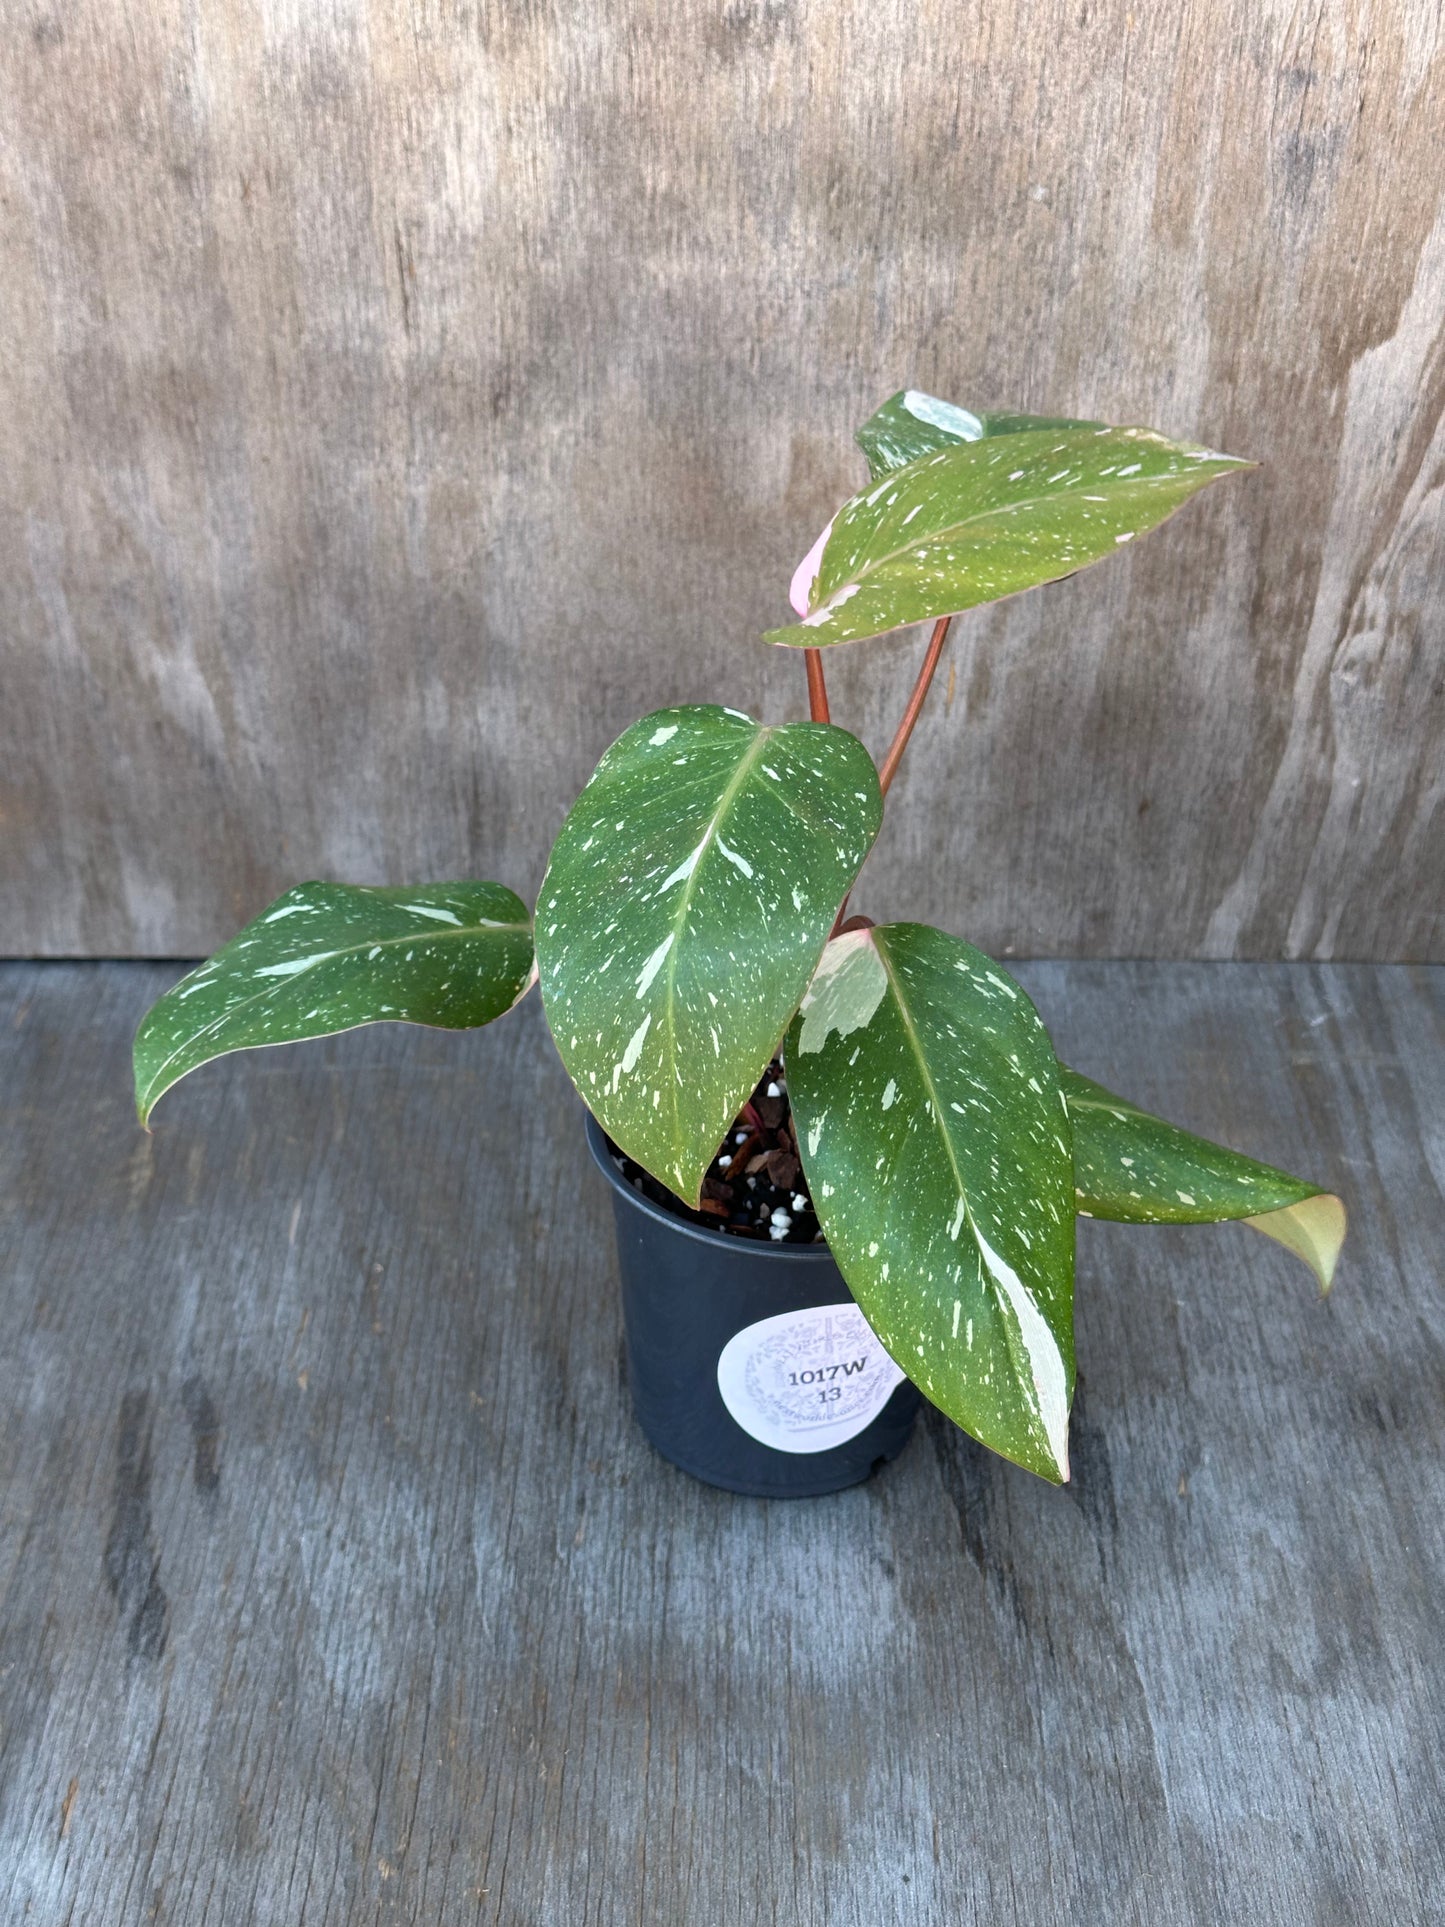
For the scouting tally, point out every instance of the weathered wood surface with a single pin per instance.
(399, 398)
(337, 1585)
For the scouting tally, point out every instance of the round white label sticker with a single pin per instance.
(805, 1380)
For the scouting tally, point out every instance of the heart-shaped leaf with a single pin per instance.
(1136, 1169)
(931, 1126)
(911, 425)
(986, 519)
(329, 956)
(685, 905)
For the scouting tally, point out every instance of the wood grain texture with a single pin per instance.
(338, 1587)
(401, 397)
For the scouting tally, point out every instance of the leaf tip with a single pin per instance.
(144, 1103)
(1313, 1229)
(1061, 1471)
(684, 1185)
(1220, 459)
(1335, 1222)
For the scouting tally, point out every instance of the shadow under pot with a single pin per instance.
(750, 1364)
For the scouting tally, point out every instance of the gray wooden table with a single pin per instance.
(338, 1585)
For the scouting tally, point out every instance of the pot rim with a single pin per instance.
(761, 1249)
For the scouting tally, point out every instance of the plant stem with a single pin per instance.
(817, 688)
(916, 701)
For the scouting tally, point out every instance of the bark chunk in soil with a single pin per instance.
(755, 1187)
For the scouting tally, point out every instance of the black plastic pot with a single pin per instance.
(750, 1365)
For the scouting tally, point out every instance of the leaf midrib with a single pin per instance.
(347, 950)
(1142, 484)
(1025, 1378)
(917, 1048)
(725, 802)
(1123, 1111)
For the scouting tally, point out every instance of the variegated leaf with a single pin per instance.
(1136, 1169)
(329, 956)
(911, 425)
(989, 518)
(687, 900)
(931, 1126)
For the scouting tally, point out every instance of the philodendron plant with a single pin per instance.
(693, 913)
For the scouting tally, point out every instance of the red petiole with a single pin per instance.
(888, 769)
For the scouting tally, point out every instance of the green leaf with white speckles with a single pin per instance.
(989, 518)
(1136, 1169)
(911, 425)
(329, 956)
(933, 1132)
(687, 900)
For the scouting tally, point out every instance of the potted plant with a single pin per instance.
(844, 1158)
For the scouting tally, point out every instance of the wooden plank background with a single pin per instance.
(338, 1587)
(400, 397)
